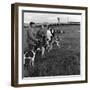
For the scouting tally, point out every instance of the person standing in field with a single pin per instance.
(41, 35)
(31, 36)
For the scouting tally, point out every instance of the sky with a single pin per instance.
(50, 18)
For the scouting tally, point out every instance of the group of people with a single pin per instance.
(39, 40)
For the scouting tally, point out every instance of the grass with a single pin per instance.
(59, 61)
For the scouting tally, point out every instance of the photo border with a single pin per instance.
(14, 43)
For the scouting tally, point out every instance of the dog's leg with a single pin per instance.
(57, 42)
(43, 52)
(50, 47)
(33, 58)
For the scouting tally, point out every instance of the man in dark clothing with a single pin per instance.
(41, 35)
(31, 36)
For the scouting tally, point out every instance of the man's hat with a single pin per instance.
(31, 23)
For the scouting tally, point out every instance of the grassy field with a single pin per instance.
(59, 61)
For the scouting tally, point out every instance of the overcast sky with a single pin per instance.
(50, 18)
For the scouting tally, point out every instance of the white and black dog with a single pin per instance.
(29, 57)
(51, 39)
(30, 54)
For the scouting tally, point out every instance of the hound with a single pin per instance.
(29, 58)
(52, 38)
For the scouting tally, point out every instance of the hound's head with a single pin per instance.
(28, 54)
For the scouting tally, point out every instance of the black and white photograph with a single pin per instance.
(49, 44)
